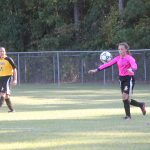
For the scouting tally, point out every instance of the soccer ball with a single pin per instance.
(105, 57)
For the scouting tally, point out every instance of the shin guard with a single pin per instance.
(127, 107)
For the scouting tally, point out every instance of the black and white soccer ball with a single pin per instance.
(105, 57)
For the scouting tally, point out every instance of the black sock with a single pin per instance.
(127, 107)
(1, 101)
(135, 103)
(9, 104)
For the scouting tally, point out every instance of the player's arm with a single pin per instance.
(133, 65)
(14, 82)
(92, 71)
(104, 66)
(14, 76)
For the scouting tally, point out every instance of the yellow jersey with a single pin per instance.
(7, 66)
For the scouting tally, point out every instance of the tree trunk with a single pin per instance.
(121, 7)
(76, 14)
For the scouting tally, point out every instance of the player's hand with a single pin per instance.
(14, 82)
(130, 70)
(92, 71)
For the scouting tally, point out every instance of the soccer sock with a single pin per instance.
(9, 104)
(135, 103)
(1, 101)
(127, 107)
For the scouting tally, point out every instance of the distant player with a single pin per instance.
(127, 67)
(7, 71)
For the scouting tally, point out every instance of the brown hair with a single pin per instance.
(2, 48)
(126, 47)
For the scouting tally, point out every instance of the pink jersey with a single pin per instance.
(124, 65)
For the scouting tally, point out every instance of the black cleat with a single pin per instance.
(127, 118)
(143, 109)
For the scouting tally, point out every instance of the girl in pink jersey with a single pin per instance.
(127, 67)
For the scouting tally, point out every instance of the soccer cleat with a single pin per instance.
(11, 111)
(143, 109)
(127, 118)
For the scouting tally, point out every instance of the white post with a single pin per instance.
(18, 69)
(54, 69)
(58, 70)
(104, 77)
(145, 71)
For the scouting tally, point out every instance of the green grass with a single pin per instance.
(74, 117)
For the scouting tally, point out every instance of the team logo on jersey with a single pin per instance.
(125, 88)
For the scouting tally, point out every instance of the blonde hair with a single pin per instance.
(126, 47)
(2, 48)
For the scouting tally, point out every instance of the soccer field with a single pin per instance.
(74, 117)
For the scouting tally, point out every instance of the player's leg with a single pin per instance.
(141, 105)
(133, 102)
(1, 92)
(126, 103)
(125, 96)
(2, 98)
(7, 97)
(9, 103)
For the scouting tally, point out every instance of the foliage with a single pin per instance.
(51, 25)
(135, 10)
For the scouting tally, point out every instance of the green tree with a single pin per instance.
(73, 24)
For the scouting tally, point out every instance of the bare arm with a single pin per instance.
(92, 71)
(15, 77)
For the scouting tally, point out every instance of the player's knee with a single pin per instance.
(125, 96)
(7, 96)
(1, 100)
(2, 94)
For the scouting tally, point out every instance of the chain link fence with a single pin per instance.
(72, 66)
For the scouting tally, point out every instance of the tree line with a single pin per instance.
(36, 25)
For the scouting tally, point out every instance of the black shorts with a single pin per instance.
(127, 84)
(5, 84)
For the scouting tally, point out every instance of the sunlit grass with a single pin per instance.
(73, 117)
